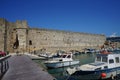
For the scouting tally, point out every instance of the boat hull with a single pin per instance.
(61, 64)
(94, 75)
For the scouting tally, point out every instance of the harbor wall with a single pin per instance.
(18, 36)
(52, 40)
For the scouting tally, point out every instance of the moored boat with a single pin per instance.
(106, 65)
(89, 50)
(62, 61)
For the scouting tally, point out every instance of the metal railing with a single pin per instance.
(4, 65)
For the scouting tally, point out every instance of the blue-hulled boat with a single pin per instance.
(106, 65)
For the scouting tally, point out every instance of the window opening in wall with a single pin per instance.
(30, 42)
(14, 29)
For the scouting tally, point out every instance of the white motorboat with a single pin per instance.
(46, 55)
(62, 61)
(106, 65)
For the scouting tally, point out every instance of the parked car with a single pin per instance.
(2, 53)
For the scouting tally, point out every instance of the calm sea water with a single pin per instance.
(60, 73)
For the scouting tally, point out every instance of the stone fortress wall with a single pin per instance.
(20, 37)
(63, 40)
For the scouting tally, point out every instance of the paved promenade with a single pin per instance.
(23, 68)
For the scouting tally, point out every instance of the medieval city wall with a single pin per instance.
(52, 40)
(18, 36)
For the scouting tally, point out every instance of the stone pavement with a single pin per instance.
(23, 68)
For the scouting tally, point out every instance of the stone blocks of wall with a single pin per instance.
(53, 39)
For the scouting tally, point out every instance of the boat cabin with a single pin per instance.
(66, 57)
(111, 60)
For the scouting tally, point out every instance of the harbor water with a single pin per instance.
(60, 73)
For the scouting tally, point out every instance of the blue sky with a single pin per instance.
(89, 16)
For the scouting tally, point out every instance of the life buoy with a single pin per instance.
(103, 75)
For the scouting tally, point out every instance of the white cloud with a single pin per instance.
(113, 35)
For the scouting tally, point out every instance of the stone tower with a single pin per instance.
(13, 35)
(21, 31)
